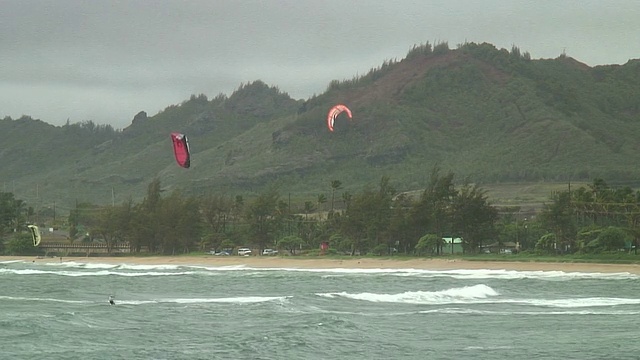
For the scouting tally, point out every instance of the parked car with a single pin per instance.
(269, 252)
(244, 252)
(219, 253)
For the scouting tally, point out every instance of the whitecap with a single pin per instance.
(454, 295)
(232, 300)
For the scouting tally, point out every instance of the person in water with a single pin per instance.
(111, 301)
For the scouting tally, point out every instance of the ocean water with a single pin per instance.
(61, 311)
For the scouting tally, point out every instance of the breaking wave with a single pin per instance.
(454, 295)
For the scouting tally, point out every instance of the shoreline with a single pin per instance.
(356, 263)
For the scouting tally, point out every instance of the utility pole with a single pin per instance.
(37, 203)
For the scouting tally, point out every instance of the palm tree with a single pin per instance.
(335, 185)
(346, 197)
(322, 198)
(308, 207)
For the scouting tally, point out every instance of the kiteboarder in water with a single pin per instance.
(111, 301)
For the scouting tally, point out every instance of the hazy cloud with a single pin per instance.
(106, 60)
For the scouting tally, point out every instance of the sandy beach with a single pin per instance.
(356, 263)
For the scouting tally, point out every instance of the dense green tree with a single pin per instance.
(321, 199)
(305, 228)
(308, 208)
(346, 197)
(431, 243)
(473, 217)
(145, 222)
(262, 218)
(82, 219)
(335, 186)
(433, 213)
(180, 224)
(113, 224)
(367, 218)
(610, 239)
(8, 213)
(547, 243)
(341, 243)
(400, 234)
(20, 244)
(290, 243)
(152, 201)
(322, 232)
(558, 218)
(217, 212)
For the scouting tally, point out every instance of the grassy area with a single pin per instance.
(621, 258)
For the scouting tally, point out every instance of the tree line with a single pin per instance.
(377, 220)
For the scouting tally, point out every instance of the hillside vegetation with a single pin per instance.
(492, 116)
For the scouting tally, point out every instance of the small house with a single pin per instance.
(452, 245)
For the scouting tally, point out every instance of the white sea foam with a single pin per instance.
(151, 273)
(228, 300)
(458, 274)
(528, 313)
(20, 298)
(79, 265)
(123, 266)
(454, 295)
(148, 267)
(236, 300)
(92, 273)
(574, 302)
(220, 268)
(480, 294)
(406, 272)
(11, 261)
(489, 348)
(513, 274)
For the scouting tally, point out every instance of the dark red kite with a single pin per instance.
(181, 149)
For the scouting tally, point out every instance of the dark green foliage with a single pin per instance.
(430, 244)
(290, 243)
(441, 48)
(260, 101)
(373, 221)
(113, 224)
(14, 214)
(558, 218)
(8, 213)
(264, 218)
(20, 244)
(610, 239)
(596, 218)
(473, 218)
(420, 50)
(367, 218)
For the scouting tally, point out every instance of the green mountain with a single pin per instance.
(487, 114)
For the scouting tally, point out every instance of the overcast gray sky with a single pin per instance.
(107, 60)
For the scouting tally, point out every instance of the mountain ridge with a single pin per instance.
(489, 115)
